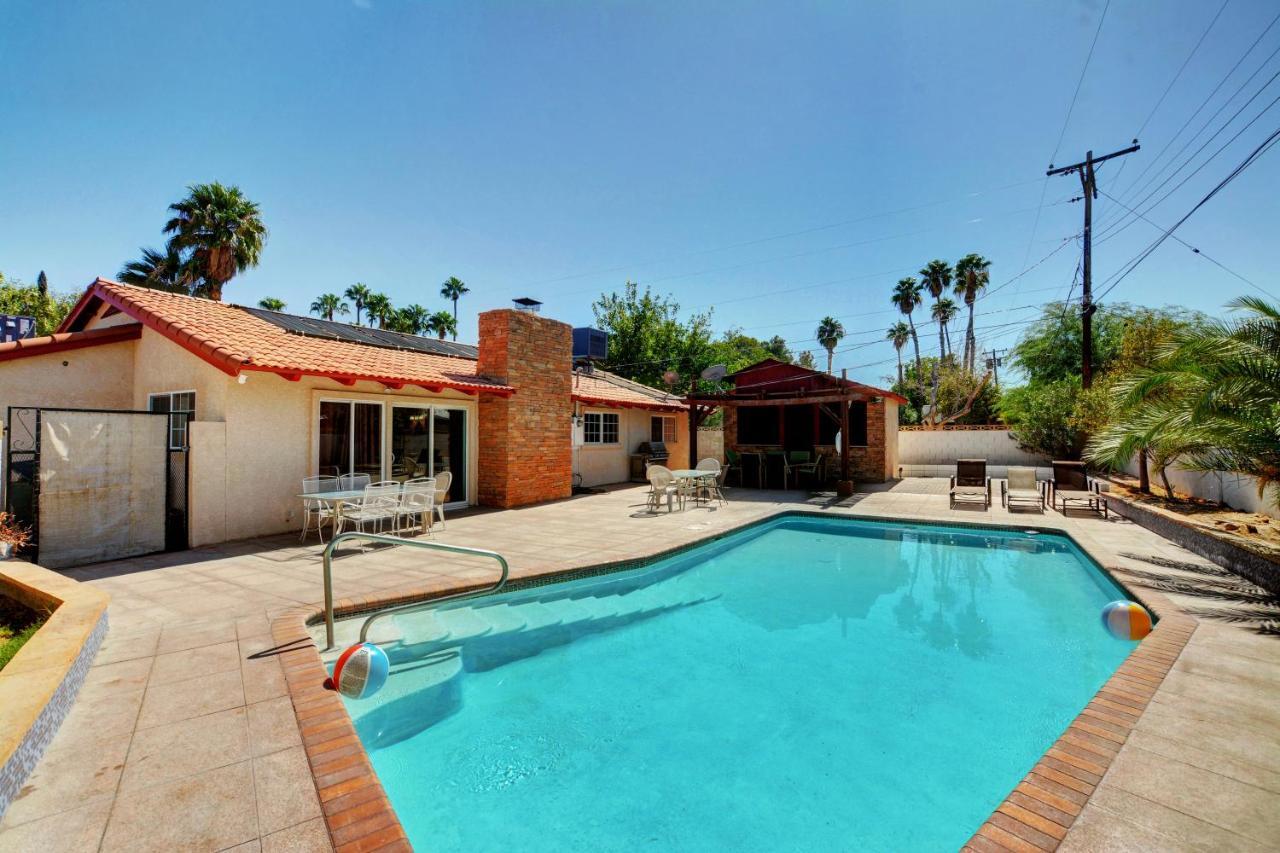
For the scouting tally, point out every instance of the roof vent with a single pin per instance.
(524, 303)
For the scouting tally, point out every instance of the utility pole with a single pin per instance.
(994, 363)
(1088, 181)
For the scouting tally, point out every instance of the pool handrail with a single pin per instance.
(413, 605)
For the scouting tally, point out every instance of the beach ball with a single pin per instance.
(361, 671)
(1126, 620)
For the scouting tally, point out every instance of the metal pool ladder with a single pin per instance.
(413, 605)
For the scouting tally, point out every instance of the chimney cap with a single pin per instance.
(525, 303)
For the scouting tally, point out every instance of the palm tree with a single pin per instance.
(359, 294)
(328, 304)
(972, 277)
(379, 309)
(158, 271)
(415, 319)
(944, 311)
(906, 296)
(899, 333)
(829, 333)
(936, 277)
(270, 303)
(1210, 401)
(442, 323)
(452, 289)
(222, 230)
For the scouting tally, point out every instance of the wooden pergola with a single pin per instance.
(785, 385)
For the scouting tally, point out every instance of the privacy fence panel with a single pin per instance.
(103, 482)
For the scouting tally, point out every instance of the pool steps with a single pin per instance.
(430, 651)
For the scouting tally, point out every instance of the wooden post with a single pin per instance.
(844, 488)
(694, 420)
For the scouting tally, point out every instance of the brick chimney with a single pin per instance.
(526, 440)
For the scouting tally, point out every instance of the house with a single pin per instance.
(777, 406)
(613, 417)
(258, 399)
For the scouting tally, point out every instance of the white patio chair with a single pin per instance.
(353, 482)
(378, 504)
(663, 486)
(444, 480)
(417, 501)
(710, 484)
(321, 511)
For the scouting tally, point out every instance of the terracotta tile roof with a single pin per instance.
(68, 341)
(233, 340)
(607, 389)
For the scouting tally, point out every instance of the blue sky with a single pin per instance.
(775, 161)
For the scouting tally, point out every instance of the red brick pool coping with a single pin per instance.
(1035, 816)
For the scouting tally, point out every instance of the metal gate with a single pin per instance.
(22, 474)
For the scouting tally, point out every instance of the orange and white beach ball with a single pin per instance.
(361, 671)
(1126, 620)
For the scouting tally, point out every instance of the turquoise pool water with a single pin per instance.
(807, 684)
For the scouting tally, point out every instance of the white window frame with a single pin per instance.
(191, 416)
(668, 428)
(600, 429)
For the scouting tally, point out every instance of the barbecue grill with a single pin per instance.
(648, 453)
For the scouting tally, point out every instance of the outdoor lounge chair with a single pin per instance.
(1021, 489)
(1072, 486)
(970, 484)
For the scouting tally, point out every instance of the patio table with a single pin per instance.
(688, 474)
(336, 498)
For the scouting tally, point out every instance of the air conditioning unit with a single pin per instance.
(590, 344)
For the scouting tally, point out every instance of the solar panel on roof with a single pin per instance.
(313, 327)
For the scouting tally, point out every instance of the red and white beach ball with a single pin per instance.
(361, 671)
(1126, 620)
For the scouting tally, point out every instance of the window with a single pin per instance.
(180, 406)
(350, 438)
(600, 428)
(662, 429)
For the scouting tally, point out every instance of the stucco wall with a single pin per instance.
(711, 443)
(161, 365)
(944, 447)
(99, 377)
(1237, 491)
(600, 465)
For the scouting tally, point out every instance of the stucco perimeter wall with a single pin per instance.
(39, 686)
(944, 447)
(98, 377)
(1238, 491)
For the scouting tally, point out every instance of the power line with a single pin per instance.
(1080, 82)
(1196, 250)
(1248, 161)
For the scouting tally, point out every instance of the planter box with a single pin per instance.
(1254, 567)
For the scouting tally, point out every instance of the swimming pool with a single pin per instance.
(803, 684)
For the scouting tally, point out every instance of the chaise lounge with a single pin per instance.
(1072, 486)
(1021, 489)
(970, 484)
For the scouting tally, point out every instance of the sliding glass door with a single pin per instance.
(351, 438)
(427, 441)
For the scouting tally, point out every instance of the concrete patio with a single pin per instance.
(184, 736)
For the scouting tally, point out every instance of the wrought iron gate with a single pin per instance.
(22, 474)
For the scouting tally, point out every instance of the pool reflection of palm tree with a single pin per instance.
(907, 610)
(966, 630)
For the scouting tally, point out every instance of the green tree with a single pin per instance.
(442, 323)
(829, 333)
(42, 283)
(1040, 417)
(646, 335)
(166, 271)
(906, 298)
(359, 294)
(414, 318)
(270, 303)
(1210, 400)
(777, 348)
(379, 309)
(24, 300)
(806, 360)
(899, 333)
(963, 397)
(328, 304)
(221, 229)
(1050, 349)
(451, 290)
(972, 277)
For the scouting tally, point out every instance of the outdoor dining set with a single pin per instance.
(701, 484)
(353, 500)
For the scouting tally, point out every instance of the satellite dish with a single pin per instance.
(715, 373)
